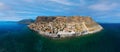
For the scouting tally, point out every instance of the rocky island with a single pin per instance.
(64, 26)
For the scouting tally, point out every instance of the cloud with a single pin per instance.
(63, 2)
(23, 12)
(117, 15)
(82, 2)
(53, 10)
(2, 6)
(10, 18)
(103, 6)
(29, 1)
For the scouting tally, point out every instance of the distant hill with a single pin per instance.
(26, 21)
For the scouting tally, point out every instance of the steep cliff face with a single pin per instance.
(64, 26)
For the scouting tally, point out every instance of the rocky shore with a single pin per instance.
(64, 26)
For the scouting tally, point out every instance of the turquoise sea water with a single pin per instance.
(16, 37)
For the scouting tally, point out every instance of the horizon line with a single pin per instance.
(23, 19)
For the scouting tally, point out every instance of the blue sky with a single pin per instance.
(104, 11)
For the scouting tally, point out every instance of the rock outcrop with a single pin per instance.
(64, 26)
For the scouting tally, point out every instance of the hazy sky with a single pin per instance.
(99, 10)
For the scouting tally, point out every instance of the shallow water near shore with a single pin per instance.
(16, 37)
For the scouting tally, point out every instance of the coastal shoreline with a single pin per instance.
(54, 36)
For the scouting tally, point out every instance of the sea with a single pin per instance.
(15, 37)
